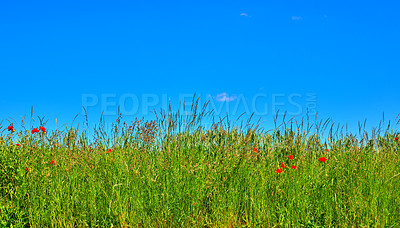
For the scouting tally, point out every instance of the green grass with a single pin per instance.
(172, 172)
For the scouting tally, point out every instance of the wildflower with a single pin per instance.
(279, 170)
(34, 130)
(291, 157)
(18, 144)
(26, 169)
(255, 150)
(326, 149)
(10, 128)
(42, 129)
(294, 167)
(52, 162)
(323, 159)
(66, 170)
(108, 151)
(397, 138)
(283, 166)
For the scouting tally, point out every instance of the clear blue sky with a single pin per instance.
(53, 54)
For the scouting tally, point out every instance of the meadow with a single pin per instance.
(174, 172)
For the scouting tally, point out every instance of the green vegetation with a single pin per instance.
(173, 172)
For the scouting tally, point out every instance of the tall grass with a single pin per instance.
(174, 172)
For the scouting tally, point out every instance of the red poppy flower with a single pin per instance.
(26, 169)
(279, 170)
(10, 128)
(66, 169)
(397, 138)
(18, 144)
(52, 162)
(326, 149)
(283, 166)
(323, 159)
(42, 129)
(108, 151)
(294, 167)
(291, 157)
(255, 150)
(34, 130)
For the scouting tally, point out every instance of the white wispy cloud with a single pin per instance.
(222, 97)
(295, 18)
(244, 14)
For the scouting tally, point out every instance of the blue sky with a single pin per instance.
(56, 54)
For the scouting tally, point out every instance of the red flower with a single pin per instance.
(326, 149)
(42, 129)
(279, 170)
(18, 144)
(294, 167)
(323, 159)
(291, 157)
(66, 169)
(255, 150)
(52, 162)
(283, 166)
(34, 130)
(10, 128)
(397, 138)
(108, 151)
(26, 169)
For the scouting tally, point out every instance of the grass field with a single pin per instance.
(172, 172)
